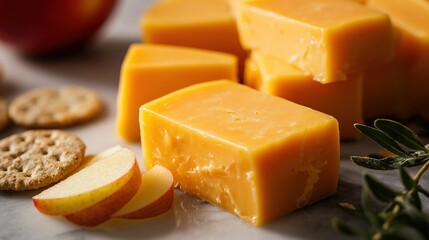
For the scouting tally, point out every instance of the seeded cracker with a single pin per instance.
(37, 158)
(55, 108)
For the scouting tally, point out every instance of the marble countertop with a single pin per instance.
(98, 68)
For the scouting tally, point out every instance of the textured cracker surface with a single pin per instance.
(37, 158)
(55, 108)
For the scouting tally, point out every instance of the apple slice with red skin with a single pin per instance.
(111, 181)
(102, 211)
(154, 197)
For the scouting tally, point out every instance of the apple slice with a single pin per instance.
(102, 211)
(94, 184)
(90, 159)
(154, 197)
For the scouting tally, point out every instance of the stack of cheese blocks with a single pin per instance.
(324, 64)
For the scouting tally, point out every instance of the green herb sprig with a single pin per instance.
(392, 211)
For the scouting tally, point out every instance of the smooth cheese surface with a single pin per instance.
(233, 6)
(150, 71)
(342, 100)
(316, 37)
(207, 24)
(412, 19)
(410, 16)
(255, 155)
(172, 12)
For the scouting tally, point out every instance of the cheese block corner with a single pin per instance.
(150, 71)
(316, 36)
(342, 100)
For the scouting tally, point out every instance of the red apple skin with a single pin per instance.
(48, 26)
(160, 206)
(102, 211)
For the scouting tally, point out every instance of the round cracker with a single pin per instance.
(37, 158)
(55, 108)
(4, 117)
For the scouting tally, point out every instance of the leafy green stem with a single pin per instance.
(386, 225)
(401, 208)
(421, 171)
(397, 204)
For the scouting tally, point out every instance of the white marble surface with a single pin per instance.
(190, 218)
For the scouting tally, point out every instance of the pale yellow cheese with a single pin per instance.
(329, 39)
(342, 100)
(255, 155)
(150, 71)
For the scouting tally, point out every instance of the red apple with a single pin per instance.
(49, 26)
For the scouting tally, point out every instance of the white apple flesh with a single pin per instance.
(102, 211)
(154, 197)
(91, 185)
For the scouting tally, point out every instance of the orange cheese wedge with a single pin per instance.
(255, 155)
(150, 71)
(342, 100)
(329, 39)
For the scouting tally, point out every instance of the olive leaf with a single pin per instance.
(374, 219)
(407, 180)
(400, 134)
(423, 191)
(418, 220)
(343, 228)
(400, 209)
(386, 163)
(379, 190)
(382, 139)
(415, 200)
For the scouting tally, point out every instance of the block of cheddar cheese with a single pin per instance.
(150, 71)
(411, 17)
(329, 39)
(342, 100)
(255, 155)
(207, 24)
